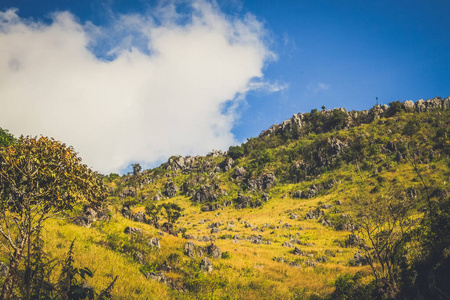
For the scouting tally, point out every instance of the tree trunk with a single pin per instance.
(10, 281)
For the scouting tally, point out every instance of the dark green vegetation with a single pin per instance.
(327, 205)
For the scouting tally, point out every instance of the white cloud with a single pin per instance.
(156, 90)
(317, 87)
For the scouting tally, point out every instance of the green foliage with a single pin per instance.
(39, 178)
(350, 287)
(6, 138)
(152, 210)
(236, 152)
(172, 211)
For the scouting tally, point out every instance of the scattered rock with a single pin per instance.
(353, 240)
(132, 230)
(289, 245)
(206, 265)
(322, 259)
(297, 251)
(310, 263)
(358, 260)
(294, 216)
(189, 249)
(139, 217)
(170, 189)
(154, 243)
(214, 251)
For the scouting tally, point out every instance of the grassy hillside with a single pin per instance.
(281, 208)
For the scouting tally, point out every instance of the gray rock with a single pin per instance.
(214, 251)
(294, 216)
(4, 269)
(326, 206)
(139, 217)
(215, 230)
(239, 173)
(158, 277)
(310, 263)
(358, 260)
(322, 259)
(170, 189)
(206, 265)
(289, 245)
(132, 230)
(297, 251)
(353, 240)
(154, 243)
(189, 249)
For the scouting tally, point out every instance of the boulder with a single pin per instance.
(132, 230)
(189, 249)
(154, 243)
(214, 251)
(170, 189)
(297, 251)
(206, 265)
(139, 217)
(289, 245)
(353, 240)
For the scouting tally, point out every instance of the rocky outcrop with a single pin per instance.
(90, 215)
(206, 265)
(154, 243)
(341, 119)
(206, 193)
(239, 173)
(246, 201)
(127, 192)
(314, 214)
(214, 251)
(354, 241)
(133, 230)
(170, 189)
(264, 182)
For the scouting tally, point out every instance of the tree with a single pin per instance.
(153, 212)
(135, 179)
(172, 211)
(385, 223)
(6, 138)
(39, 178)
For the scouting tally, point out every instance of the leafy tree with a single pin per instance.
(136, 172)
(386, 224)
(39, 178)
(6, 138)
(172, 211)
(153, 212)
(236, 152)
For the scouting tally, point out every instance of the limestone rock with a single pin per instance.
(206, 265)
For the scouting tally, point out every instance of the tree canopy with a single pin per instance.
(39, 178)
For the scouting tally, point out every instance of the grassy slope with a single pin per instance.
(250, 272)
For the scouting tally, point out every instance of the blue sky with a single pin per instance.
(311, 53)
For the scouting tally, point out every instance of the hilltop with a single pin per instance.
(328, 204)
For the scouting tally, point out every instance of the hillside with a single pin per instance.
(327, 204)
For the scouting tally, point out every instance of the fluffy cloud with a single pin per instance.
(133, 90)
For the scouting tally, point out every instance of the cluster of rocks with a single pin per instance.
(207, 193)
(92, 214)
(127, 192)
(212, 250)
(170, 189)
(354, 118)
(314, 214)
(248, 201)
(313, 190)
(354, 241)
(264, 182)
(358, 260)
